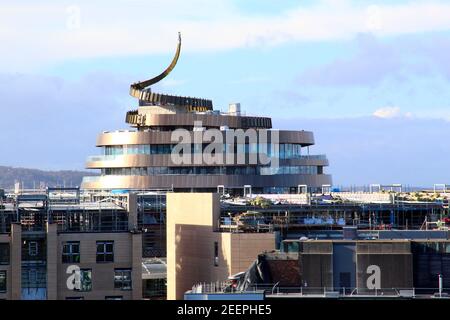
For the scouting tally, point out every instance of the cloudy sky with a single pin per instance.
(370, 78)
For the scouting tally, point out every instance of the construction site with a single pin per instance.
(119, 239)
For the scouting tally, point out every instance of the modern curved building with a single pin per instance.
(144, 157)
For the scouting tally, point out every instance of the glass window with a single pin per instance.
(4, 253)
(122, 279)
(133, 149)
(33, 248)
(71, 252)
(113, 150)
(272, 149)
(282, 154)
(85, 279)
(296, 151)
(2, 281)
(105, 251)
(154, 288)
(163, 170)
(446, 247)
(288, 150)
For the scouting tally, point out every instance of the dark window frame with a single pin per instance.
(105, 255)
(121, 284)
(33, 248)
(5, 252)
(71, 256)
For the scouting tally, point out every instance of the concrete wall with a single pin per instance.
(394, 260)
(14, 268)
(127, 254)
(390, 261)
(316, 264)
(191, 224)
(52, 261)
(15, 276)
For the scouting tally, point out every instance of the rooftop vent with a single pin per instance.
(234, 109)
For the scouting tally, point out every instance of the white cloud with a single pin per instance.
(391, 112)
(35, 34)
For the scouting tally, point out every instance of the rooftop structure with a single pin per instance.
(243, 161)
(350, 268)
(229, 232)
(210, 244)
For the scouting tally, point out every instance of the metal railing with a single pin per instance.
(275, 290)
(343, 292)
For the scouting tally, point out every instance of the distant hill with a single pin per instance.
(33, 178)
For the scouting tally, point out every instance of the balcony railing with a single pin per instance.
(119, 156)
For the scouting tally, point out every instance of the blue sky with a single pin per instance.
(370, 78)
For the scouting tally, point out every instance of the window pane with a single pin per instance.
(109, 247)
(109, 257)
(122, 279)
(86, 279)
(2, 281)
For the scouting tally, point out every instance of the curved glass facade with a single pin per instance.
(285, 150)
(216, 170)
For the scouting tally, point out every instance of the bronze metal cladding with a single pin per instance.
(208, 120)
(204, 181)
(305, 138)
(165, 160)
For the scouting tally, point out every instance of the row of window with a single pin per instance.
(122, 280)
(71, 251)
(220, 170)
(285, 150)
